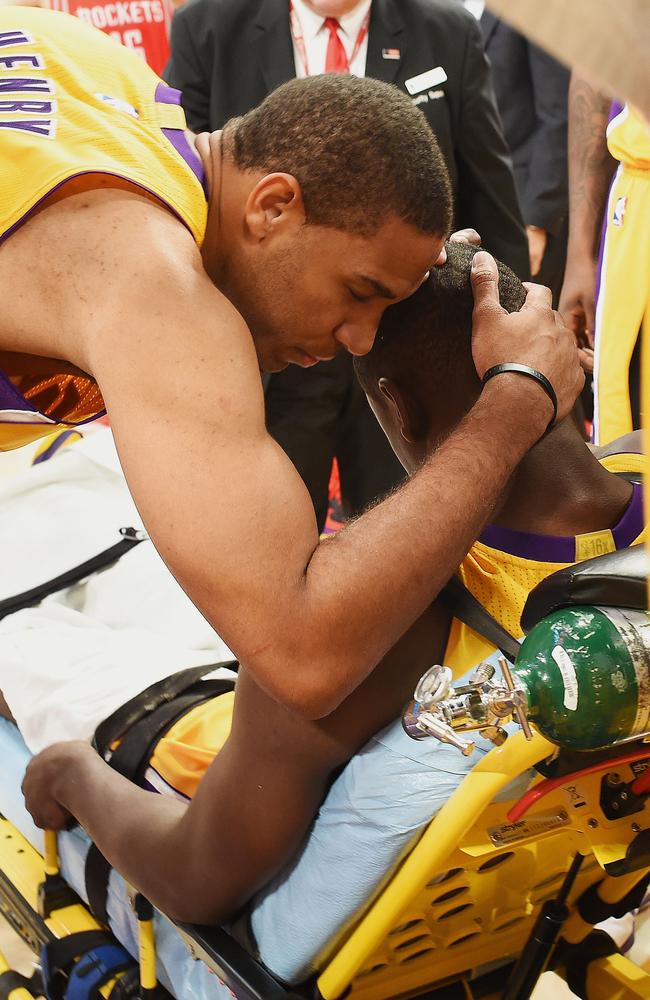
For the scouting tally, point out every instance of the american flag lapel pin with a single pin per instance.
(390, 53)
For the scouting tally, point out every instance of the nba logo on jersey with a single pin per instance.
(118, 104)
(619, 211)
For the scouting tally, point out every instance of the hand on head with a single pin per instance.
(535, 336)
(469, 236)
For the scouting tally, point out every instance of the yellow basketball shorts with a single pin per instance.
(623, 306)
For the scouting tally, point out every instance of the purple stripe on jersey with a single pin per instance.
(53, 447)
(11, 398)
(615, 110)
(85, 173)
(562, 548)
(177, 137)
(167, 95)
(631, 523)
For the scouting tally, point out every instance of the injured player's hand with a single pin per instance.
(42, 779)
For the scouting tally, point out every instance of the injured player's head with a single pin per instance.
(420, 377)
(420, 381)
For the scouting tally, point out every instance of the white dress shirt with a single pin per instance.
(316, 37)
(475, 7)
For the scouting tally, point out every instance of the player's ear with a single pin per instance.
(274, 205)
(406, 411)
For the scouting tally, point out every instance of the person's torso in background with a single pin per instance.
(628, 139)
(140, 25)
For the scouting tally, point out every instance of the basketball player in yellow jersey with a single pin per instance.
(623, 306)
(164, 306)
(274, 768)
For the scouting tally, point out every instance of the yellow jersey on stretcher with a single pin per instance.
(74, 105)
(504, 566)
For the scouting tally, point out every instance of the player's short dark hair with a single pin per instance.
(425, 342)
(359, 149)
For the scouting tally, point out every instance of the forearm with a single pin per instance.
(138, 832)
(590, 165)
(365, 587)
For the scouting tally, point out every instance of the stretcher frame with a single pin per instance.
(397, 948)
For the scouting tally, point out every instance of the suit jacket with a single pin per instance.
(227, 55)
(532, 93)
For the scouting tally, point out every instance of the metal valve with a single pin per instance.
(481, 705)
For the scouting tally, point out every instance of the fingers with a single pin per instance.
(590, 319)
(485, 281)
(466, 236)
(537, 296)
(469, 236)
(586, 357)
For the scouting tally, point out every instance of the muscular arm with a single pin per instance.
(203, 861)
(590, 171)
(223, 504)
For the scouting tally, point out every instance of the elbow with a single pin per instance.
(312, 684)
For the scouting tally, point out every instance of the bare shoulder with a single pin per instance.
(104, 265)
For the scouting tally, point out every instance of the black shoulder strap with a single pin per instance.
(464, 606)
(29, 598)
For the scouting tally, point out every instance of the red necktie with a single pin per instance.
(336, 60)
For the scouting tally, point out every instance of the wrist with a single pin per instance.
(524, 405)
(582, 245)
(70, 766)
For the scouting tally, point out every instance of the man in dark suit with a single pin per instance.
(532, 93)
(227, 55)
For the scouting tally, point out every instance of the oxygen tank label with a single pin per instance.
(568, 671)
(634, 629)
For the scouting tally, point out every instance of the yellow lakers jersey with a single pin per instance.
(74, 105)
(502, 568)
(628, 139)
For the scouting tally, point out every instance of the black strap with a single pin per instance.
(139, 724)
(594, 910)
(159, 693)
(630, 477)
(97, 871)
(35, 595)
(131, 757)
(59, 955)
(576, 958)
(464, 606)
(527, 372)
(10, 981)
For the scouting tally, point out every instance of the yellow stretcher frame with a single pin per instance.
(462, 901)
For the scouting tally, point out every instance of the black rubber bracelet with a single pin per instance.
(528, 372)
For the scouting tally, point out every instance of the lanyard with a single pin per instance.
(299, 41)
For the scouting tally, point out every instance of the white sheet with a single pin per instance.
(67, 664)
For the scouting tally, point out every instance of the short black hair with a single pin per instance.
(359, 149)
(425, 342)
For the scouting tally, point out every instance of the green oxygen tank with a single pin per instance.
(585, 672)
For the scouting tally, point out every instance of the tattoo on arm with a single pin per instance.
(590, 163)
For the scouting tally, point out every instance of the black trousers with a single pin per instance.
(318, 414)
(554, 262)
